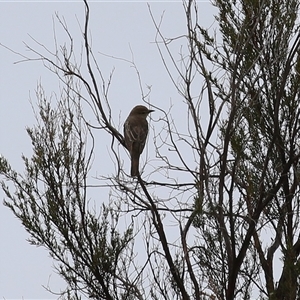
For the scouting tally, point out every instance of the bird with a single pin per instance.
(135, 135)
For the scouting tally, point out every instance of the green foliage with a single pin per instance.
(253, 184)
(51, 201)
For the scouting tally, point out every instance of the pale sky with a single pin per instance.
(119, 29)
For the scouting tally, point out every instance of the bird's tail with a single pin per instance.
(135, 166)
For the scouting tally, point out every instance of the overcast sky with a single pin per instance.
(118, 28)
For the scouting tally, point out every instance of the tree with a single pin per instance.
(241, 206)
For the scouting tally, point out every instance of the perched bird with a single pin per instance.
(135, 135)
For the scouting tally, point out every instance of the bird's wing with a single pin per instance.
(136, 134)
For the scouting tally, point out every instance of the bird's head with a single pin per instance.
(140, 110)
